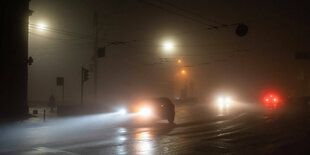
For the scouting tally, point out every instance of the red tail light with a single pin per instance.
(271, 100)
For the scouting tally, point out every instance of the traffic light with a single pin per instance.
(85, 73)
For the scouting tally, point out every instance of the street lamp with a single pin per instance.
(168, 46)
(183, 72)
(41, 26)
(179, 61)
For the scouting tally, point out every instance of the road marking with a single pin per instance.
(45, 150)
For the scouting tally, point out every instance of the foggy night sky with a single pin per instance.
(262, 58)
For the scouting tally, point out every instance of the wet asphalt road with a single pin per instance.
(198, 129)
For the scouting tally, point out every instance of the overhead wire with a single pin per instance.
(203, 22)
(86, 36)
(175, 13)
(188, 16)
(58, 39)
(189, 12)
(63, 32)
(74, 35)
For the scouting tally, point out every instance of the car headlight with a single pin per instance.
(224, 101)
(145, 111)
(220, 100)
(228, 100)
(122, 111)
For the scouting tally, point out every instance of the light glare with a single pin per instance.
(168, 46)
(228, 100)
(41, 26)
(183, 72)
(220, 100)
(145, 111)
(122, 111)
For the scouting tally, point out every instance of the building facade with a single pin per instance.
(14, 57)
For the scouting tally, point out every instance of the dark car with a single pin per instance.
(158, 108)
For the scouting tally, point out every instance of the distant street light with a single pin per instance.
(179, 61)
(183, 72)
(168, 46)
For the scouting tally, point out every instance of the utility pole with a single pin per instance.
(84, 77)
(82, 85)
(60, 81)
(95, 55)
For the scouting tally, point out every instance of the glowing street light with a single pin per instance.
(183, 72)
(41, 26)
(179, 61)
(168, 46)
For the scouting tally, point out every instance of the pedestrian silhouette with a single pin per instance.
(52, 102)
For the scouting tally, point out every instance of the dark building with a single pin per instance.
(14, 57)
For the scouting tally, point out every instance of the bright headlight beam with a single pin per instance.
(224, 101)
(227, 100)
(122, 111)
(146, 111)
(220, 100)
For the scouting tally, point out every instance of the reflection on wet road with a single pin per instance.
(198, 129)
